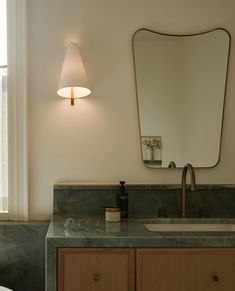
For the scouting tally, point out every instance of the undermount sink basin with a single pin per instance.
(189, 225)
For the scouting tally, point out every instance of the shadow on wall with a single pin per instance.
(22, 256)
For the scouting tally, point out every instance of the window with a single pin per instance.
(13, 111)
(3, 110)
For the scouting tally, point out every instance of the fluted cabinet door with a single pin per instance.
(83, 269)
(185, 270)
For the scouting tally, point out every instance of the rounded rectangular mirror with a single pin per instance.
(180, 84)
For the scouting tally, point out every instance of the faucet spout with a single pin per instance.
(187, 168)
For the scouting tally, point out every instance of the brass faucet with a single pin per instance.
(187, 167)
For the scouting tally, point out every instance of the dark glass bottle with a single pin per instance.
(122, 200)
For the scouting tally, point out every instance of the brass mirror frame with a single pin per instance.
(225, 89)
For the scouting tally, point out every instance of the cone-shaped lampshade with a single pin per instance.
(73, 80)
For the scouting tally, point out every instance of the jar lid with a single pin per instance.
(113, 209)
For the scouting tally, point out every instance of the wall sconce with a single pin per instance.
(73, 80)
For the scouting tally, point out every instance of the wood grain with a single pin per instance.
(101, 269)
(185, 270)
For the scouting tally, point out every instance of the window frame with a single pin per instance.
(17, 86)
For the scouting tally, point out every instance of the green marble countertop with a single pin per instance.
(93, 231)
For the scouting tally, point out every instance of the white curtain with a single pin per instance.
(3, 142)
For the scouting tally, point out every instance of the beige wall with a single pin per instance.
(97, 140)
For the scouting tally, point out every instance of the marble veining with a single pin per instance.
(22, 260)
(85, 204)
(213, 200)
(129, 233)
(93, 231)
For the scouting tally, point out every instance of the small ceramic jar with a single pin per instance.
(112, 214)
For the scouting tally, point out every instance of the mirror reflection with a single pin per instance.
(180, 83)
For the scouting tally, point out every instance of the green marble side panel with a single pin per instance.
(22, 256)
(51, 265)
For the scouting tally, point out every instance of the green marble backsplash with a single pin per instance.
(145, 200)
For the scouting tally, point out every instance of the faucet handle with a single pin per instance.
(162, 212)
(203, 213)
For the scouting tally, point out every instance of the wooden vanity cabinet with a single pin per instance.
(99, 269)
(146, 269)
(185, 269)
